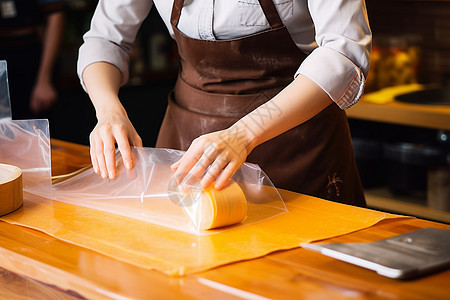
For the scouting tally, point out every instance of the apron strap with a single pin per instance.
(271, 13)
(267, 6)
(176, 12)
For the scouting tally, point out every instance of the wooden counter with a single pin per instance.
(34, 265)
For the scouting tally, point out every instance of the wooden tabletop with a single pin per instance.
(34, 265)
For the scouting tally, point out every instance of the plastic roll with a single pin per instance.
(11, 191)
(222, 208)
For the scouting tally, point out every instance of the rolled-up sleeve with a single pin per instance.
(113, 30)
(340, 63)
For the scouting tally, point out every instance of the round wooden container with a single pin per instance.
(11, 191)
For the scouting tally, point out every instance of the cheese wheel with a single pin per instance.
(11, 192)
(222, 208)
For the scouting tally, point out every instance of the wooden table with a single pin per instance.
(34, 265)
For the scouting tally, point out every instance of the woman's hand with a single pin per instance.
(102, 82)
(215, 157)
(113, 127)
(221, 153)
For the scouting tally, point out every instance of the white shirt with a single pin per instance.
(335, 34)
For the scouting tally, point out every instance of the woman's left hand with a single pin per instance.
(215, 157)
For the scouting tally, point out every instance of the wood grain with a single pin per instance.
(37, 266)
(68, 157)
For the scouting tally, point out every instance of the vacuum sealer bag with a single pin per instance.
(148, 192)
(26, 144)
(5, 106)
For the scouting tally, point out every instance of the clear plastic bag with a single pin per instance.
(5, 107)
(26, 144)
(148, 192)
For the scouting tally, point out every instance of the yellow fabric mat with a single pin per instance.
(178, 253)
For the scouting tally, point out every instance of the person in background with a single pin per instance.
(264, 81)
(30, 37)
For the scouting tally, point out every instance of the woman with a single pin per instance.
(264, 81)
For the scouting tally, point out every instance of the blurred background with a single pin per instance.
(402, 146)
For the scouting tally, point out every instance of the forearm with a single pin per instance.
(221, 153)
(102, 81)
(294, 105)
(51, 44)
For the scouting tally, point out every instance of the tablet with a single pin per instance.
(405, 256)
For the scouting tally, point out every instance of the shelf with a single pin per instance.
(434, 117)
(380, 106)
(382, 199)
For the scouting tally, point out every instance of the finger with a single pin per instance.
(188, 160)
(226, 175)
(125, 150)
(136, 141)
(96, 151)
(94, 160)
(202, 164)
(175, 165)
(131, 174)
(214, 171)
(109, 151)
(100, 157)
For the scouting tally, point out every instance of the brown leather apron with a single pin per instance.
(221, 81)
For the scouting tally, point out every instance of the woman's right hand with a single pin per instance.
(112, 128)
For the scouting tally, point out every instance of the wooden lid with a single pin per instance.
(11, 191)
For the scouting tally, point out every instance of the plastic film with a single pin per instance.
(5, 107)
(26, 144)
(148, 192)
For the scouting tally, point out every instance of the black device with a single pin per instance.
(404, 256)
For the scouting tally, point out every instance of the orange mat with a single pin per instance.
(178, 253)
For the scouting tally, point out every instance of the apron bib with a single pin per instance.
(221, 81)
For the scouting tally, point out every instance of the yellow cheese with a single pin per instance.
(11, 192)
(222, 208)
